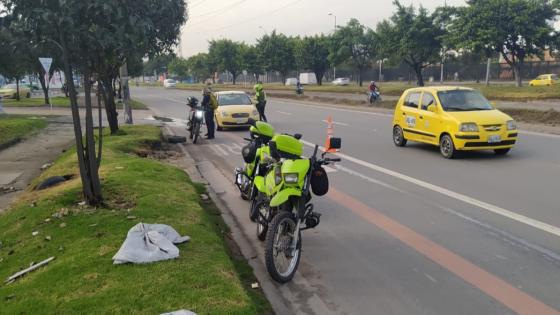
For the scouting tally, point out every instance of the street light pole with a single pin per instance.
(334, 68)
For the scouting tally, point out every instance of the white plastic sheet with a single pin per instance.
(146, 243)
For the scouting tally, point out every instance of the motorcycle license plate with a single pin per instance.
(241, 121)
(494, 139)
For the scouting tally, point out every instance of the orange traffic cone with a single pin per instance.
(330, 134)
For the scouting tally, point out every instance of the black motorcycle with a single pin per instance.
(196, 118)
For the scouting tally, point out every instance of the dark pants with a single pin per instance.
(260, 108)
(209, 118)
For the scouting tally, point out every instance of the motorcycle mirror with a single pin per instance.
(251, 122)
(298, 136)
(335, 143)
(274, 150)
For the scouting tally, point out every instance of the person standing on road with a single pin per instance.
(260, 97)
(209, 103)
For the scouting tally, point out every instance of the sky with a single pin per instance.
(247, 20)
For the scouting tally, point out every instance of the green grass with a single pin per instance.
(58, 101)
(82, 279)
(15, 127)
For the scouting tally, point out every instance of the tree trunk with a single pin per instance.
(418, 70)
(83, 166)
(44, 87)
(319, 75)
(110, 107)
(517, 73)
(90, 156)
(360, 78)
(125, 94)
(17, 90)
(233, 77)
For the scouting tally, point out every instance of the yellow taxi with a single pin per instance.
(234, 109)
(10, 91)
(544, 79)
(453, 118)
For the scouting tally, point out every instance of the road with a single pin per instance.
(405, 231)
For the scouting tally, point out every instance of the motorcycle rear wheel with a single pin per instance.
(281, 260)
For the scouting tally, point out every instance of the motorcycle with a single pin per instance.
(254, 153)
(196, 118)
(299, 90)
(290, 184)
(374, 96)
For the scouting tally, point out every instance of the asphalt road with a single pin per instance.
(405, 231)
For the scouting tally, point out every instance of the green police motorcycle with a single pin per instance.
(253, 155)
(288, 187)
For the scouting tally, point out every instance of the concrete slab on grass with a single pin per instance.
(8, 178)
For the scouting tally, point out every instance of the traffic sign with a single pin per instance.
(46, 63)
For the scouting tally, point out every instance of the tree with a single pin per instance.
(413, 37)
(91, 36)
(157, 64)
(277, 53)
(200, 67)
(312, 53)
(13, 64)
(356, 45)
(179, 67)
(252, 61)
(227, 55)
(514, 29)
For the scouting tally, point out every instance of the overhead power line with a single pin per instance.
(217, 12)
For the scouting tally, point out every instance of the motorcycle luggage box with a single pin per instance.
(319, 181)
(249, 152)
(288, 147)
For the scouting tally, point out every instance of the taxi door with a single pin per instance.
(410, 113)
(429, 121)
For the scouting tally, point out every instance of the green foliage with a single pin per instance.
(356, 45)
(178, 67)
(227, 56)
(312, 53)
(15, 127)
(411, 36)
(277, 53)
(157, 64)
(204, 278)
(514, 29)
(252, 61)
(201, 67)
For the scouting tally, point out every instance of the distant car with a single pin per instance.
(169, 83)
(453, 118)
(341, 81)
(291, 81)
(10, 91)
(544, 80)
(234, 109)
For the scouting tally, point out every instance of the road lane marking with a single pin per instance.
(336, 123)
(478, 203)
(495, 287)
(218, 148)
(284, 113)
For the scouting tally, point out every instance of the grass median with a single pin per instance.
(207, 278)
(59, 101)
(13, 128)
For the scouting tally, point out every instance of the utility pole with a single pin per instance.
(334, 67)
(126, 94)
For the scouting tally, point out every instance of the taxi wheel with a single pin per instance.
(219, 128)
(501, 151)
(447, 148)
(398, 137)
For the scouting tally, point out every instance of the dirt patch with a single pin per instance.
(547, 117)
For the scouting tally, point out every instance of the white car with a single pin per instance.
(341, 81)
(291, 81)
(169, 83)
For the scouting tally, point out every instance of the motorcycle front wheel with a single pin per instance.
(281, 259)
(195, 133)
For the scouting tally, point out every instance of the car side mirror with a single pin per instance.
(432, 108)
(335, 143)
(493, 104)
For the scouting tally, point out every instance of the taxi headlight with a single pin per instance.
(224, 114)
(511, 125)
(469, 127)
(291, 178)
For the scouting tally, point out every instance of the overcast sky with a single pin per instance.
(246, 20)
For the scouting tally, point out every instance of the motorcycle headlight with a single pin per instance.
(224, 114)
(199, 114)
(291, 178)
(469, 127)
(511, 125)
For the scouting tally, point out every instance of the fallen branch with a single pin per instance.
(28, 270)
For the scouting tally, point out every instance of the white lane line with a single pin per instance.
(284, 113)
(336, 123)
(217, 147)
(430, 277)
(451, 194)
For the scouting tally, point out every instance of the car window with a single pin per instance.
(233, 99)
(427, 100)
(554, 77)
(463, 100)
(541, 77)
(9, 86)
(412, 100)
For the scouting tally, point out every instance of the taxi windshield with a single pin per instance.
(234, 99)
(463, 101)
